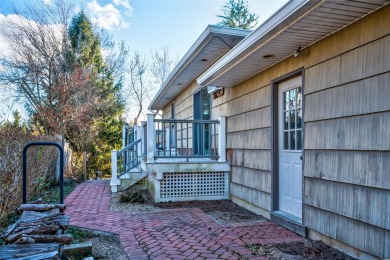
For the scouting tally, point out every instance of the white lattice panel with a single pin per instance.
(193, 185)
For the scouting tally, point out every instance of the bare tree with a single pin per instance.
(161, 66)
(140, 89)
(37, 38)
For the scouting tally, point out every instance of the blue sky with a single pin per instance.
(147, 25)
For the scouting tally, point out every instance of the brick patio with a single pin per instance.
(172, 233)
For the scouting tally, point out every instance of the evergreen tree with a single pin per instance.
(105, 131)
(236, 15)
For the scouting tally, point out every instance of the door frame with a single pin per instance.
(275, 139)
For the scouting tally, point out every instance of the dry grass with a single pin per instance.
(41, 165)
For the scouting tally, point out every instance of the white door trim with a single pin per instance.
(289, 148)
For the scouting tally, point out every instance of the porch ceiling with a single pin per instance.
(214, 42)
(297, 24)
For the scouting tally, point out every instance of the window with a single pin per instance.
(292, 119)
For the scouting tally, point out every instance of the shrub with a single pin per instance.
(40, 165)
(131, 196)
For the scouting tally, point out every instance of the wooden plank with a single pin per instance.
(360, 235)
(367, 132)
(367, 96)
(9, 251)
(30, 215)
(41, 207)
(322, 76)
(78, 249)
(251, 139)
(258, 198)
(363, 168)
(357, 202)
(376, 57)
(256, 179)
(255, 159)
(260, 118)
(64, 220)
(362, 62)
(387, 241)
(351, 65)
(320, 220)
(257, 99)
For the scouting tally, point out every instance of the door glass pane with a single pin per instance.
(299, 140)
(285, 140)
(292, 119)
(292, 140)
(205, 104)
(292, 99)
(285, 123)
(299, 97)
(299, 118)
(285, 100)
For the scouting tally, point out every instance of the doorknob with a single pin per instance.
(301, 158)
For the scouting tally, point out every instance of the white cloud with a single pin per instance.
(125, 4)
(47, 2)
(107, 17)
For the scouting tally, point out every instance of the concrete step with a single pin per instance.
(129, 179)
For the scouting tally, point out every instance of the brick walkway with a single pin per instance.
(172, 233)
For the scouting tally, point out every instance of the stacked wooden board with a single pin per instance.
(39, 234)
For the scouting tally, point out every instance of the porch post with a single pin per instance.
(222, 139)
(151, 137)
(167, 138)
(139, 135)
(114, 172)
(124, 135)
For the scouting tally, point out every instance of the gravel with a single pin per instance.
(108, 247)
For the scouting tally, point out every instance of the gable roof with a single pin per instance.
(298, 24)
(212, 44)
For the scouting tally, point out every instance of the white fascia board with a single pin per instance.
(203, 39)
(278, 17)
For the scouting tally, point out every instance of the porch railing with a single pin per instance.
(177, 138)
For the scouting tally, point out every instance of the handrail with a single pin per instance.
(61, 179)
(127, 158)
(129, 146)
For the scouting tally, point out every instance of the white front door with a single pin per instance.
(290, 138)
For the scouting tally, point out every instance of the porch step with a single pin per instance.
(129, 179)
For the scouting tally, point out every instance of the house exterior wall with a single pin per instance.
(346, 156)
(346, 185)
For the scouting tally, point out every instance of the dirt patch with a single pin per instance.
(300, 250)
(223, 211)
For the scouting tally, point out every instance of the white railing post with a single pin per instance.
(114, 172)
(124, 136)
(140, 135)
(151, 137)
(222, 139)
(167, 138)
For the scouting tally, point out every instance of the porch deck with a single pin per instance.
(182, 159)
